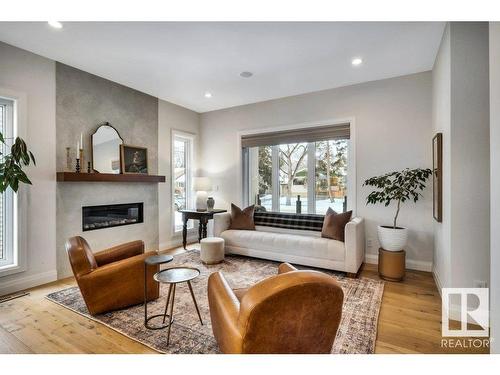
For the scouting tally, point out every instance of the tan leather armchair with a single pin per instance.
(292, 312)
(114, 278)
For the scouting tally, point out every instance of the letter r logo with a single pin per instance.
(469, 306)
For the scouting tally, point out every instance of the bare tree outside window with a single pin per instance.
(331, 172)
(325, 185)
(292, 160)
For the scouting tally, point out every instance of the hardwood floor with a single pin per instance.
(409, 322)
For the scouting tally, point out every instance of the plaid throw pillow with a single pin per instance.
(289, 221)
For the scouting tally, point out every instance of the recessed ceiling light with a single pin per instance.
(55, 24)
(356, 61)
(246, 74)
(208, 94)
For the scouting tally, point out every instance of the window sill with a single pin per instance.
(10, 269)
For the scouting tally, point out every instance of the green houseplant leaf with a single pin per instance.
(397, 187)
(12, 164)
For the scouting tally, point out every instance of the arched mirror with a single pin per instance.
(106, 143)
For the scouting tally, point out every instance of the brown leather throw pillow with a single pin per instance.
(242, 219)
(334, 224)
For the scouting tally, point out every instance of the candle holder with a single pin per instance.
(77, 166)
(89, 169)
(68, 159)
(80, 155)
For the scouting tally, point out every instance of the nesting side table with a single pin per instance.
(153, 260)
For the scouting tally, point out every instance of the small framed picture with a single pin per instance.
(133, 159)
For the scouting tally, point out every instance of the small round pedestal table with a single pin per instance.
(174, 276)
(153, 261)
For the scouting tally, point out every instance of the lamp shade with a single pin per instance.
(202, 184)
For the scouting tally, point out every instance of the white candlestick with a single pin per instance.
(77, 147)
(81, 140)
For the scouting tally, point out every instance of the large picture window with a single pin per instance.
(298, 177)
(8, 253)
(182, 163)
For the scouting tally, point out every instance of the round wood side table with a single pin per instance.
(391, 264)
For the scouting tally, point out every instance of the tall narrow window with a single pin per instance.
(298, 171)
(262, 181)
(8, 243)
(331, 175)
(182, 161)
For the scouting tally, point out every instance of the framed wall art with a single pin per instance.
(133, 159)
(437, 176)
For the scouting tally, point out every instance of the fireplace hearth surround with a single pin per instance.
(111, 215)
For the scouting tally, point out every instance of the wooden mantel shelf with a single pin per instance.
(107, 177)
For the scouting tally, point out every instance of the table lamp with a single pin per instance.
(201, 185)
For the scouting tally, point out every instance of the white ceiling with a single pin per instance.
(179, 62)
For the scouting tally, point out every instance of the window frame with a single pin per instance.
(311, 207)
(19, 199)
(9, 252)
(190, 168)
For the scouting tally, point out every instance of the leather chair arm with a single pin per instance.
(119, 252)
(224, 311)
(285, 267)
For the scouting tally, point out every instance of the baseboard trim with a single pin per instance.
(176, 242)
(437, 280)
(411, 264)
(22, 283)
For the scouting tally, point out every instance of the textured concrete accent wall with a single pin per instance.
(84, 100)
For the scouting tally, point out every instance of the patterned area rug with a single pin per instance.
(357, 331)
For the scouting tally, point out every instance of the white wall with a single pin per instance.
(34, 76)
(393, 131)
(470, 169)
(495, 184)
(171, 117)
(461, 113)
(441, 119)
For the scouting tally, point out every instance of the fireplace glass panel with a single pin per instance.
(107, 216)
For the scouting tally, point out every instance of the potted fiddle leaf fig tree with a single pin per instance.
(397, 187)
(12, 164)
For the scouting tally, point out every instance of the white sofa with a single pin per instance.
(302, 247)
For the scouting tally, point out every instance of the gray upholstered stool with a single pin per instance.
(212, 250)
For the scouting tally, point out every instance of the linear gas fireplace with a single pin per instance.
(111, 215)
